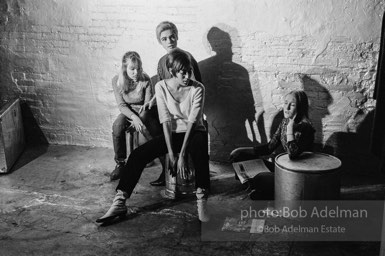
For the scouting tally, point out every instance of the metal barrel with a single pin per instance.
(313, 176)
(176, 186)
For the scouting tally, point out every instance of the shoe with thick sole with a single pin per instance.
(161, 181)
(116, 173)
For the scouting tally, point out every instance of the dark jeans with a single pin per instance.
(123, 123)
(197, 147)
(262, 183)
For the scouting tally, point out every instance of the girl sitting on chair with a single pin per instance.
(133, 92)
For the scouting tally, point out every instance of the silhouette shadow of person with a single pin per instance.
(276, 121)
(229, 104)
(320, 99)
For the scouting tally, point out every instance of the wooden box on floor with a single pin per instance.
(11, 134)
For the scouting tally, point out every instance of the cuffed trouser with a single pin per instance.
(197, 147)
(123, 123)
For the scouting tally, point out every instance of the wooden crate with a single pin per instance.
(11, 134)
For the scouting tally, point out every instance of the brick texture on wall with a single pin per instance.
(59, 57)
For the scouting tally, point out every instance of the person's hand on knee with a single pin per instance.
(137, 123)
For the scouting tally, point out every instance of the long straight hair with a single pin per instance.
(125, 83)
(302, 106)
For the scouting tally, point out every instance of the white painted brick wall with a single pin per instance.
(60, 56)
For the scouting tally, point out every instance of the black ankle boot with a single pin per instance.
(116, 173)
(160, 181)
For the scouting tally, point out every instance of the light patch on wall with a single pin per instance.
(59, 12)
(249, 130)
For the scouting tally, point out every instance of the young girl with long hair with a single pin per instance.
(133, 92)
(294, 135)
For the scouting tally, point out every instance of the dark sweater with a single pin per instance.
(303, 140)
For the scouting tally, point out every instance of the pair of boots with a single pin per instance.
(119, 208)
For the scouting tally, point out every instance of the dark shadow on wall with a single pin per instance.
(352, 143)
(320, 100)
(353, 148)
(33, 133)
(229, 104)
(36, 143)
(276, 121)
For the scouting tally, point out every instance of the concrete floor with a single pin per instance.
(50, 202)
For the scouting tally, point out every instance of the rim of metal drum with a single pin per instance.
(303, 171)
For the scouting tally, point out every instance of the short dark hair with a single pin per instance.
(178, 60)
